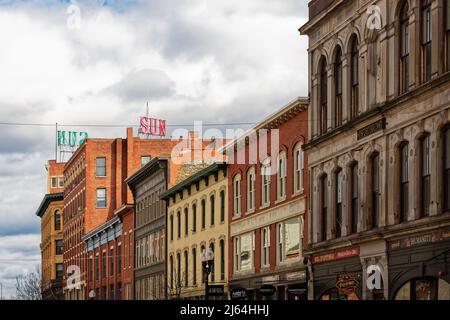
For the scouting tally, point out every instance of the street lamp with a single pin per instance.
(207, 264)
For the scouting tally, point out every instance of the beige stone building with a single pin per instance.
(197, 220)
(379, 150)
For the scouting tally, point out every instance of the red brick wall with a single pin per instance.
(291, 132)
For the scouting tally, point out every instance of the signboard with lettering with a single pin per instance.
(238, 294)
(336, 255)
(267, 290)
(347, 284)
(152, 127)
(216, 290)
(297, 290)
(71, 138)
(420, 240)
(372, 128)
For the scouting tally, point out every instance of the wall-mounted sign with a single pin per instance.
(71, 138)
(297, 289)
(216, 290)
(296, 276)
(267, 290)
(152, 127)
(336, 255)
(420, 240)
(238, 294)
(372, 128)
(347, 284)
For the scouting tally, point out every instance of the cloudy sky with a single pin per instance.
(100, 61)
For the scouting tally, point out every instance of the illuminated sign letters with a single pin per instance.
(152, 127)
(71, 138)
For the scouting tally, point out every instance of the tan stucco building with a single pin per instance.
(197, 220)
(379, 148)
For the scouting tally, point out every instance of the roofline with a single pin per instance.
(316, 18)
(48, 198)
(141, 174)
(215, 167)
(266, 121)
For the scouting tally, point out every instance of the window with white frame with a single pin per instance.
(299, 168)
(251, 190)
(265, 182)
(288, 239)
(244, 252)
(265, 246)
(54, 182)
(281, 175)
(237, 195)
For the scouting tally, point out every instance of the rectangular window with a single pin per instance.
(376, 194)
(119, 259)
(97, 267)
(194, 217)
(203, 204)
(186, 269)
(111, 292)
(59, 271)
(171, 227)
(179, 224)
(237, 196)
(404, 49)
(299, 167)
(404, 183)
(111, 262)
(222, 206)
(222, 260)
(213, 209)
(194, 266)
(339, 204)
(355, 202)
(119, 291)
(251, 191)
(59, 247)
(324, 207)
(91, 269)
(61, 182)
(54, 182)
(145, 160)
(426, 176)
(186, 221)
(57, 218)
(101, 167)
(265, 244)
(281, 177)
(103, 265)
(426, 40)
(265, 185)
(101, 198)
(244, 252)
(288, 239)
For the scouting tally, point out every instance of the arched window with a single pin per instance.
(324, 207)
(222, 259)
(376, 189)
(404, 48)
(354, 73)
(202, 249)
(212, 201)
(338, 197)
(194, 217)
(179, 224)
(251, 190)
(194, 266)
(178, 276)
(323, 101)
(447, 168)
(338, 88)
(186, 221)
(171, 272)
(355, 201)
(299, 166)
(404, 182)
(171, 227)
(237, 195)
(426, 39)
(265, 182)
(57, 218)
(425, 174)
(281, 175)
(213, 273)
(186, 269)
(203, 205)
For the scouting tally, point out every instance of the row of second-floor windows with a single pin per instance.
(150, 249)
(404, 66)
(150, 208)
(184, 267)
(109, 292)
(187, 218)
(267, 171)
(404, 153)
(57, 182)
(100, 165)
(287, 242)
(98, 267)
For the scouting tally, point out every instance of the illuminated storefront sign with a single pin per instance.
(347, 284)
(152, 127)
(71, 138)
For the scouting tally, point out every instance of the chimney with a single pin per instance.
(129, 133)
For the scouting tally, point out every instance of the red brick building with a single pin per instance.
(98, 214)
(267, 212)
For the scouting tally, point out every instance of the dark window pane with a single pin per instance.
(101, 167)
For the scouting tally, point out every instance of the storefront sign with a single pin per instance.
(152, 127)
(336, 255)
(238, 294)
(420, 240)
(71, 138)
(296, 276)
(347, 284)
(216, 290)
(267, 290)
(297, 290)
(372, 128)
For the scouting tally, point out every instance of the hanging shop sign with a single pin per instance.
(216, 290)
(297, 289)
(336, 255)
(267, 290)
(238, 294)
(347, 284)
(152, 127)
(71, 138)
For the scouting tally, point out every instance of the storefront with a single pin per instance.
(338, 275)
(419, 267)
(282, 286)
